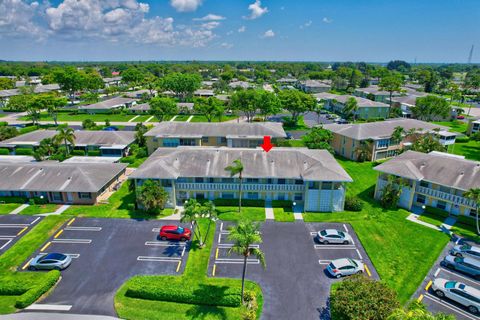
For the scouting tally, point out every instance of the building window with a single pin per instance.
(170, 142)
(472, 213)
(421, 198)
(204, 140)
(57, 196)
(299, 182)
(252, 195)
(187, 142)
(166, 183)
(445, 189)
(384, 143)
(198, 180)
(227, 195)
(313, 185)
(85, 195)
(281, 196)
(298, 196)
(223, 140)
(441, 205)
(326, 186)
(424, 184)
(281, 181)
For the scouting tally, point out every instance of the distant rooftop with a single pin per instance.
(108, 104)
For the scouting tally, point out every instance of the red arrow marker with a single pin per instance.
(267, 145)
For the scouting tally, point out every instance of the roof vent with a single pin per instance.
(69, 178)
(462, 173)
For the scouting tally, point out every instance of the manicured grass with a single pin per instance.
(141, 118)
(19, 253)
(120, 205)
(300, 125)
(402, 251)
(432, 218)
(470, 149)
(6, 208)
(200, 118)
(283, 214)
(194, 275)
(39, 209)
(455, 125)
(231, 213)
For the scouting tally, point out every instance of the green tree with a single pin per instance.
(88, 124)
(359, 297)
(163, 107)
(391, 83)
(183, 85)
(234, 169)
(428, 78)
(6, 83)
(474, 195)
(397, 134)
(431, 108)
(151, 196)
(268, 103)
(351, 107)
(296, 102)
(70, 80)
(7, 132)
(391, 192)
(93, 82)
(318, 138)
(46, 149)
(52, 104)
(427, 143)
(245, 101)
(132, 76)
(318, 109)
(65, 136)
(363, 151)
(194, 211)
(244, 235)
(140, 130)
(209, 107)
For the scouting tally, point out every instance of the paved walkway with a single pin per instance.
(414, 218)
(173, 119)
(297, 212)
(176, 215)
(449, 223)
(19, 209)
(57, 212)
(189, 119)
(269, 212)
(133, 118)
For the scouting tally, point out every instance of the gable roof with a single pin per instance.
(380, 129)
(288, 163)
(222, 129)
(442, 169)
(108, 104)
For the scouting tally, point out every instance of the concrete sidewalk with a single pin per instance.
(19, 209)
(269, 215)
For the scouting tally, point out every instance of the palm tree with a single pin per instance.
(244, 235)
(234, 169)
(474, 195)
(364, 150)
(65, 136)
(193, 211)
(351, 107)
(397, 134)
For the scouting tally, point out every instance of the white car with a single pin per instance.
(333, 236)
(459, 292)
(345, 267)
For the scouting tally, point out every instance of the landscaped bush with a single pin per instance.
(28, 129)
(3, 123)
(93, 153)
(141, 153)
(13, 199)
(353, 204)
(436, 211)
(4, 151)
(234, 203)
(32, 295)
(129, 159)
(153, 288)
(78, 153)
(462, 139)
(23, 152)
(38, 200)
(13, 288)
(282, 203)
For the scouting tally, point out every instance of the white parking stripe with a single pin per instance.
(51, 307)
(436, 273)
(13, 225)
(156, 230)
(6, 244)
(158, 259)
(323, 261)
(345, 227)
(7, 237)
(219, 237)
(359, 254)
(333, 246)
(449, 306)
(34, 221)
(313, 233)
(460, 276)
(86, 241)
(236, 261)
(224, 232)
(183, 251)
(229, 245)
(84, 228)
(165, 244)
(221, 226)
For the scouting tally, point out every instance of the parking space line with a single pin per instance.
(34, 221)
(345, 227)
(420, 298)
(183, 251)
(71, 221)
(84, 228)
(86, 241)
(221, 226)
(219, 236)
(359, 254)
(214, 269)
(13, 225)
(333, 246)
(179, 264)
(368, 270)
(27, 264)
(165, 244)
(7, 237)
(429, 284)
(6, 244)
(224, 232)
(51, 307)
(156, 230)
(323, 261)
(460, 276)
(158, 259)
(229, 245)
(22, 231)
(237, 261)
(436, 273)
(46, 246)
(58, 233)
(449, 306)
(216, 254)
(313, 233)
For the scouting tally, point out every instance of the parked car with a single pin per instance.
(466, 250)
(468, 266)
(175, 233)
(289, 136)
(50, 261)
(333, 236)
(460, 117)
(111, 128)
(459, 292)
(341, 121)
(345, 267)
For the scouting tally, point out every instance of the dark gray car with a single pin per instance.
(466, 265)
(50, 261)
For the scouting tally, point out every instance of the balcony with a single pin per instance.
(234, 186)
(458, 200)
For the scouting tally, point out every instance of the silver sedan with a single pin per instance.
(50, 261)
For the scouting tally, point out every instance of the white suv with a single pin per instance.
(458, 292)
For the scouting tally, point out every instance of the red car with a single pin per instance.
(175, 233)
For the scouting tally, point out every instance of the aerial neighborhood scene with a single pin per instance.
(247, 159)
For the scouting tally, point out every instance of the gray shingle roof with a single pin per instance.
(82, 138)
(57, 177)
(223, 129)
(108, 104)
(375, 90)
(446, 170)
(289, 163)
(380, 129)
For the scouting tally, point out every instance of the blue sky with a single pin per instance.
(301, 30)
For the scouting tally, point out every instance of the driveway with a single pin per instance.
(294, 284)
(106, 253)
(311, 119)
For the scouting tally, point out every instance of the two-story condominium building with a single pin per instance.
(235, 135)
(307, 176)
(314, 86)
(75, 183)
(367, 109)
(374, 93)
(436, 179)
(377, 136)
(473, 126)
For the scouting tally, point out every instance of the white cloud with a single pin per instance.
(226, 45)
(210, 17)
(185, 5)
(327, 20)
(229, 33)
(306, 24)
(268, 34)
(210, 25)
(17, 17)
(256, 10)
(242, 29)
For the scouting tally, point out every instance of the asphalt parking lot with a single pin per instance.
(294, 284)
(13, 227)
(426, 295)
(106, 252)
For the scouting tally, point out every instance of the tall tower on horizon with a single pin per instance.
(470, 55)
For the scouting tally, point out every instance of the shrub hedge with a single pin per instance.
(93, 153)
(13, 288)
(4, 151)
(353, 203)
(23, 152)
(3, 123)
(78, 152)
(32, 295)
(436, 211)
(13, 199)
(151, 288)
(282, 203)
(234, 202)
(462, 139)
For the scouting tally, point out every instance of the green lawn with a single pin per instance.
(231, 213)
(300, 125)
(283, 214)
(200, 118)
(142, 118)
(433, 218)
(402, 251)
(39, 209)
(6, 208)
(195, 274)
(182, 117)
(120, 205)
(470, 149)
(455, 125)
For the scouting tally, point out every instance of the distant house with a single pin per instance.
(236, 135)
(138, 94)
(204, 93)
(108, 143)
(108, 106)
(311, 178)
(377, 136)
(5, 94)
(287, 81)
(374, 93)
(314, 86)
(436, 179)
(406, 103)
(145, 107)
(112, 81)
(367, 109)
(240, 85)
(59, 182)
(473, 126)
